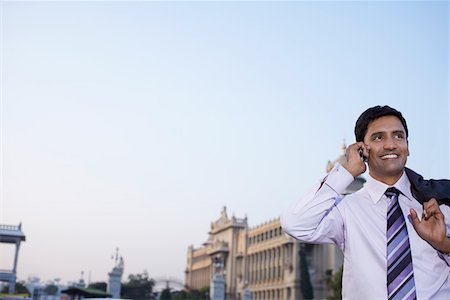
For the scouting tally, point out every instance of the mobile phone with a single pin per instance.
(363, 158)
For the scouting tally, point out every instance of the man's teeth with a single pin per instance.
(387, 156)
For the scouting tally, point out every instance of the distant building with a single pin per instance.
(11, 234)
(50, 290)
(115, 276)
(262, 259)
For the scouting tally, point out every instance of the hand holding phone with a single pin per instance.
(363, 157)
(357, 155)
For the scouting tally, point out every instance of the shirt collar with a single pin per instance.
(376, 188)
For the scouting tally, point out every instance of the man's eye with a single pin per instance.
(376, 138)
(399, 136)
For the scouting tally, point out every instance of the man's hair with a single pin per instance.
(371, 115)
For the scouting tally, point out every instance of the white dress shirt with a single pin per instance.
(357, 224)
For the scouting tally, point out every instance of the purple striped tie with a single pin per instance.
(400, 276)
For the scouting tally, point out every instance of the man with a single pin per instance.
(394, 246)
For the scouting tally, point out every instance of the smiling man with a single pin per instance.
(389, 251)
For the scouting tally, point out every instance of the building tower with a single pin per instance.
(11, 235)
(115, 276)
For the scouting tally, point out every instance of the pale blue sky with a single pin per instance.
(130, 124)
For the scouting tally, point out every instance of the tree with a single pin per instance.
(201, 294)
(204, 291)
(305, 280)
(19, 289)
(181, 295)
(335, 285)
(51, 289)
(138, 286)
(194, 294)
(165, 294)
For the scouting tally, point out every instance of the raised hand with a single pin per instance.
(355, 163)
(432, 226)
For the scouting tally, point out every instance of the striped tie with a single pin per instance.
(400, 276)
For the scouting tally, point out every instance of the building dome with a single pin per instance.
(342, 159)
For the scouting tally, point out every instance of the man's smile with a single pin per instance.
(389, 156)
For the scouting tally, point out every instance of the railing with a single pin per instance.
(11, 227)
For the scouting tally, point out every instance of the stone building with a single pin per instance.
(227, 244)
(262, 259)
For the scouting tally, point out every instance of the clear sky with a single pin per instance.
(131, 124)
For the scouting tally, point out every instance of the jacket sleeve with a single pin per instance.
(316, 216)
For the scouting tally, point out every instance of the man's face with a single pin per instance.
(388, 149)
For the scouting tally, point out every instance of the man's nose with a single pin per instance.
(390, 143)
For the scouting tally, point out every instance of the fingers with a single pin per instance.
(431, 227)
(431, 203)
(355, 164)
(431, 209)
(414, 218)
(365, 149)
(353, 150)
